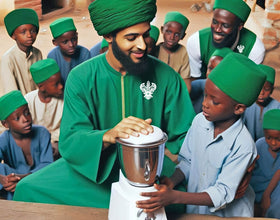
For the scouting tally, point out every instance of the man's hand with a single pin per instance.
(128, 126)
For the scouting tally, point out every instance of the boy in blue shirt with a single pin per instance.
(67, 52)
(266, 175)
(253, 115)
(24, 148)
(218, 148)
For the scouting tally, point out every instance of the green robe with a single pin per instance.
(96, 98)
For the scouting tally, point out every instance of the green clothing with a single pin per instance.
(245, 45)
(96, 99)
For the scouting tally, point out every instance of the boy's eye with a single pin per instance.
(215, 103)
(16, 118)
(64, 42)
(226, 25)
(214, 21)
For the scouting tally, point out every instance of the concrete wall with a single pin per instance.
(5, 7)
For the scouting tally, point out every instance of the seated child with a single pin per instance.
(197, 86)
(253, 115)
(46, 103)
(170, 51)
(23, 148)
(67, 53)
(22, 25)
(99, 48)
(215, 164)
(266, 175)
(152, 40)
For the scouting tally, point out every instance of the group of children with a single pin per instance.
(33, 89)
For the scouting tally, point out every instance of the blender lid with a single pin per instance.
(157, 135)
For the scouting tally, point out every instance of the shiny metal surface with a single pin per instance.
(140, 162)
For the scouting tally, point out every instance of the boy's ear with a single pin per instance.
(54, 42)
(108, 38)
(4, 123)
(239, 109)
(41, 87)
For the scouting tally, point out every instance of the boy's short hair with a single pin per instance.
(10, 102)
(177, 17)
(19, 17)
(61, 26)
(271, 119)
(269, 72)
(238, 77)
(43, 69)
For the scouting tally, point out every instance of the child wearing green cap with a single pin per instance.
(197, 86)
(46, 103)
(266, 175)
(22, 25)
(215, 165)
(253, 115)
(24, 148)
(67, 53)
(151, 41)
(170, 51)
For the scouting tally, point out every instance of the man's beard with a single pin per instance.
(128, 64)
(229, 39)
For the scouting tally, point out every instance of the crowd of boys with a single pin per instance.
(82, 100)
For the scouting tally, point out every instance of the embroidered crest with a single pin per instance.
(240, 48)
(148, 89)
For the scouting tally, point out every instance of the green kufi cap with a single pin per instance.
(104, 43)
(109, 16)
(222, 52)
(61, 26)
(238, 77)
(269, 72)
(271, 119)
(43, 69)
(237, 7)
(19, 17)
(154, 33)
(178, 17)
(10, 102)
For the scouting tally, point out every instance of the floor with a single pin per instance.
(88, 36)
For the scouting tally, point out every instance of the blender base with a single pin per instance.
(123, 202)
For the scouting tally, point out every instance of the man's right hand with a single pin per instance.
(128, 126)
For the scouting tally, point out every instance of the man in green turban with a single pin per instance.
(227, 30)
(114, 95)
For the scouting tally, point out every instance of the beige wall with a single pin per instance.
(5, 7)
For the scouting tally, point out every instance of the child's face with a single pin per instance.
(25, 35)
(172, 34)
(272, 138)
(213, 62)
(217, 106)
(265, 93)
(67, 43)
(53, 87)
(20, 121)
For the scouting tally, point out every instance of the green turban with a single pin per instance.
(238, 77)
(154, 33)
(269, 72)
(178, 17)
(222, 52)
(43, 69)
(271, 119)
(19, 17)
(61, 26)
(11, 102)
(108, 16)
(237, 7)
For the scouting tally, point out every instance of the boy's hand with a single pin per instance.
(9, 182)
(163, 197)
